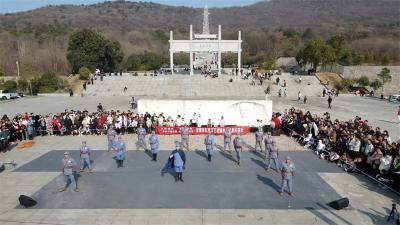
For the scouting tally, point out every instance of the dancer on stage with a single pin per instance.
(287, 172)
(154, 145)
(120, 152)
(259, 135)
(227, 139)
(238, 145)
(85, 157)
(209, 142)
(68, 169)
(111, 134)
(185, 131)
(176, 161)
(273, 155)
(141, 135)
(268, 146)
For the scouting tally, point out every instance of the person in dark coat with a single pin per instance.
(176, 161)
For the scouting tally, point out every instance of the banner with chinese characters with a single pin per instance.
(203, 130)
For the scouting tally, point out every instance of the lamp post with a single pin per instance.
(17, 68)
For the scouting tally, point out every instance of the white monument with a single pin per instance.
(205, 48)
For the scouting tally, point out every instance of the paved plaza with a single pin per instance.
(213, 193)
(216, 192)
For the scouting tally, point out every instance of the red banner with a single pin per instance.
(203, 130)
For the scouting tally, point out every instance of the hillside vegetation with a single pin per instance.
(38, 39)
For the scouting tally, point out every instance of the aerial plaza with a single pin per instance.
(207, 145)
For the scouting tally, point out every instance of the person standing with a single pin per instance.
(179, 165)
(298, 96)
(85, 157)
(111, 134)
(238, 145)
(259, 135)
(120, 152)
(154, 145)
(68, 169)
(141, 136)
(268, 145)
(329, 102)
(273, 155)
(305, 99)
(227, 139)
(287, 172)
(323, 93)
(209, 142)
(185, 131)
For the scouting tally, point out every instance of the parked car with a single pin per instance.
(394, 98)
(5, 95)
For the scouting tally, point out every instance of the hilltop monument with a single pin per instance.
(205, 49)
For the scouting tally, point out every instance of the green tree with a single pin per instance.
(46, 83)
(134, 62)
(90, 49)
(22, 85)
(376, 84)
(385, 76)
(328, 55)
(316, 52)
(9, 85)
(363, 81)
(347, 83)
(385, 60)
(269, 64)
(338, 44)
(84, 73)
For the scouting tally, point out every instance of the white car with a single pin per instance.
(7, 96)
(394, 98)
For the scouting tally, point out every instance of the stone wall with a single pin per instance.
(371, 72)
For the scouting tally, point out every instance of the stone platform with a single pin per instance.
(219, 184)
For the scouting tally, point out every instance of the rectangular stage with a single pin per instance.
(240, 112)
(219, 184)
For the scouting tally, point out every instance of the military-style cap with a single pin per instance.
(66, 153)
(288, 158)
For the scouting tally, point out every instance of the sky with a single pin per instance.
(10, 6)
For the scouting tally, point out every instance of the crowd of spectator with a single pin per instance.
(354, 145)
(70, 122)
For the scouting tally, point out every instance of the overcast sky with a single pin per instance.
(9, 6)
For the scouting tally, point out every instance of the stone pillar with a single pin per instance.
(191, 52)
(219, 50)
(239, 65)
(171, 53)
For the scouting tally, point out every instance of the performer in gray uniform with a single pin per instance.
(209, 143)
(141, 135)
(185, 132)
(268, 144)
(238, 145)
(227, 139)
(68, 169)
(85, 157)
(259, 139)
(154, 145)
(273, 155)
(287, 172)
(120, 152)
(111, 134)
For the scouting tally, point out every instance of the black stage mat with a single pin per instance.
(219, 184)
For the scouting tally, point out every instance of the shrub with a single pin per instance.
(47, 89)
(363, 81)
(347, 83)
(84, 73)
(9, 85)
